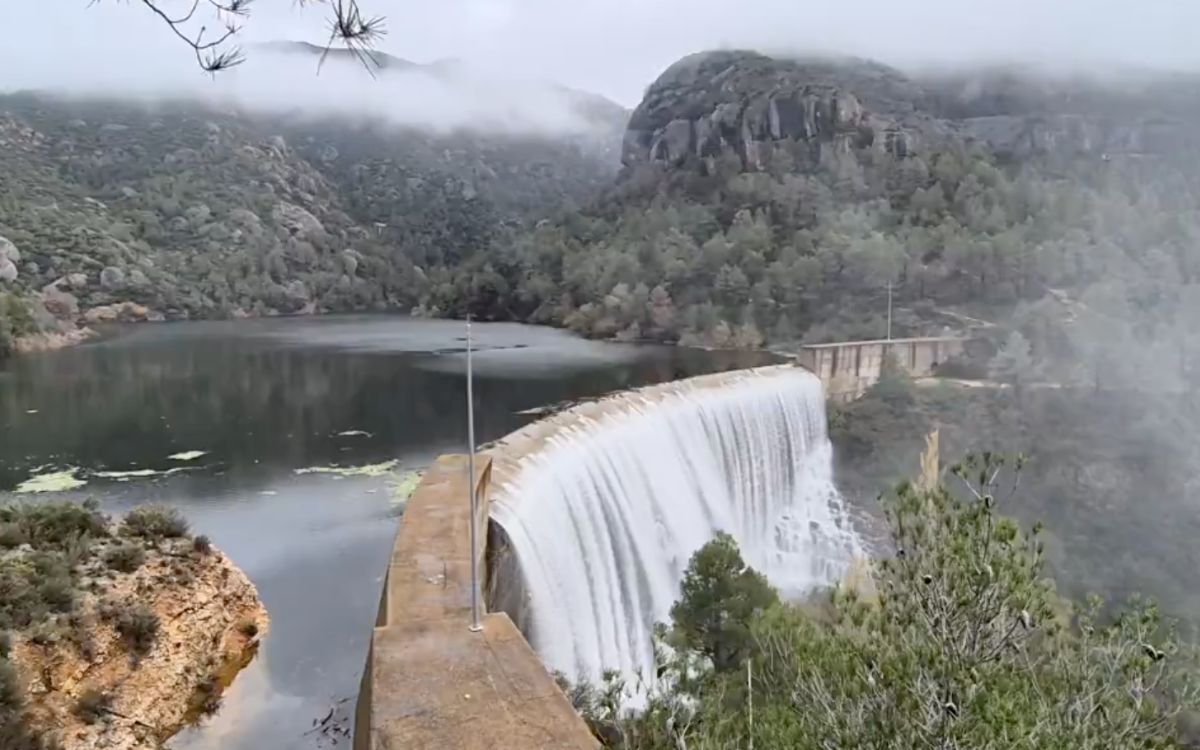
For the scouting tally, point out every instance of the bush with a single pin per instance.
(155, 522)
(92, 705)
(11, 536)
(51, 526)
(125, 558)
(207, 698)
(136, 624)
(15, 733)
(32, 587)
(12, 699)
(202, 545)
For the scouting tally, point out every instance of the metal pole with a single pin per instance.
(475, 625)
(889, 331)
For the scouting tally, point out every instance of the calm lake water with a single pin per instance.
(264, 398)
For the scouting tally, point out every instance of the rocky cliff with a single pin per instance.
(744, 105)
(114, 635)
(98, 689)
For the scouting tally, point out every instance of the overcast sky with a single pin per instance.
(617, 47)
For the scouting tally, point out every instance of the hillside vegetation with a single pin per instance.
(775, 200)
(956, 639)
(189, 208)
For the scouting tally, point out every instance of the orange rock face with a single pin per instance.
(210, 623)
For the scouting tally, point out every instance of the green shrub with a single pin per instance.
(125, 558)
(202, 545)
(957, 640)
(155, 522)
(15, 733)
(92, 705)
(207, 698)
(11, 536)
(12, 699)
(32, 587)
(138, 627)
(51, 526)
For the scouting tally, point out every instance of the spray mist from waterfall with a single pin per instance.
(604, 513)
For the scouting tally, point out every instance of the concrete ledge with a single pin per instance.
(432, 684)
(447, 687)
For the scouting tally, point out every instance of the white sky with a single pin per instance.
(617, 47)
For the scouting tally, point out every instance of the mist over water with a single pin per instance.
(604, 519)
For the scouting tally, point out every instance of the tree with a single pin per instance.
(1014, 362)
(216, 52)
(719, 599)
(960, 641)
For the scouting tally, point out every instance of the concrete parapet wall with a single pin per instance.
(430, 682)
(847, 369)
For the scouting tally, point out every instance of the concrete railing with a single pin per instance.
(429, 681)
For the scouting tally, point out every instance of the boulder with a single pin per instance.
(112, 278)
(121, 312)
(9, 250)
(76, 281)
(296, 291)
(197, 214)
(297, 221)
(60, 304)
(8, 270)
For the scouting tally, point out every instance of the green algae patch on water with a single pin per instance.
(403, 488)
(187, 455)
(370, 470)
(56, 481)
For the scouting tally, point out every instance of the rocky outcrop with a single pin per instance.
(722, 105)
(121, 312)
(9, 257)
(732, 103)
(52, 340)
(210, 622)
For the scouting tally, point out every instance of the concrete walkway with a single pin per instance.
(431, 683)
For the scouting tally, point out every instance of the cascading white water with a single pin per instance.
(604, 514)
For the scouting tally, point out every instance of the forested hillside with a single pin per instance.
(118, 209)
(772, 200)
(761, 201)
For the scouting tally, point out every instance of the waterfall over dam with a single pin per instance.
(602, 505)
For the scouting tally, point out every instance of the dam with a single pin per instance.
(594, 513)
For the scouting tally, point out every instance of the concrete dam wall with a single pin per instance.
(594, 514)
(848, 368)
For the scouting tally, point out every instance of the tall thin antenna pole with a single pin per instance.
(750, 701)
(889, 331)
(475, 625)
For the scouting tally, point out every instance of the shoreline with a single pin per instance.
(50, 342)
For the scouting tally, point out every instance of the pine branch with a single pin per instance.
(348, 27)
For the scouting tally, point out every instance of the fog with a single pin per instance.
(611, 47)
(442, 98)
